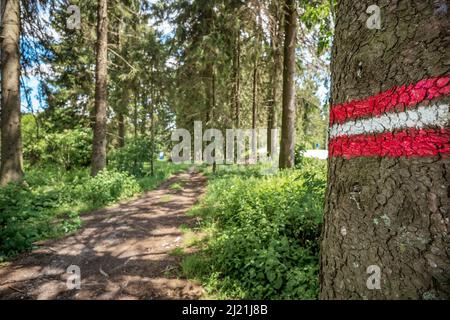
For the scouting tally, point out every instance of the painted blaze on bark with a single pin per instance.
(389, 207)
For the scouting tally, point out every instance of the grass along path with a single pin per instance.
(124, 252)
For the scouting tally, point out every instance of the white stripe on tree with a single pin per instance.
(424, 116)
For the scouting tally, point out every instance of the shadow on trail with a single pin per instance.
(123, 252)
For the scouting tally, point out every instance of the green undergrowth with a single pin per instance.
(263, 232)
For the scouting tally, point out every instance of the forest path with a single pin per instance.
(124, 252)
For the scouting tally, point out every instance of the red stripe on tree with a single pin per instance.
(406, 143)
(395, 99)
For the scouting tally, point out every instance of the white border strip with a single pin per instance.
(423, 116)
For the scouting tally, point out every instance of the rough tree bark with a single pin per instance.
(101, 96)
(388, 197)
(11, 140)
(288, 116)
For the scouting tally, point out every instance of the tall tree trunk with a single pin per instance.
(121, 115)
(123, 102)
(254, 105)
(101, 96)
(276, 42)
(213, 107)
(135, 113)
(255, 94)
(11, 141)
(386, 222)
(121, 120)
(257, 46)
(213, 90)
(237, 80)
(144, 113)
(209, 86)
(135, 120)
(288, 117)
(152, 120)
(210, 94)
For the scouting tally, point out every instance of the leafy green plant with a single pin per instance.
(132, 157)
(71, 148)
(108, 186)
(266, 232)
(68, 149)
(31, 214)
(49, 204)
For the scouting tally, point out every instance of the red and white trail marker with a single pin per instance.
(404, 121)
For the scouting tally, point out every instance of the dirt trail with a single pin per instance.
(123, 252)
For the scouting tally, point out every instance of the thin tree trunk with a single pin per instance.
(386, 221)
(152, 119)
(123, 102)
(209, 85)
(254, 106)
(144, 113)
(213, 88)
(237, 80)
(155, 75)
(277, 66)
(121, 120)
(11, 169)
(135, 120)
(135, 113)
(254, 95)
(214, 166)
(101, 95)
(288, 117)
(121, 115)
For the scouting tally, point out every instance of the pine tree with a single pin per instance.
(288, 115)
(11, 169)
(101, 97)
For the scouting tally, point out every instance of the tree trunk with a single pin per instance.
(152, 120)
(276, 42)
(121, 115)
(144, 113)
(386, 223)
(254, 105)
(11, 141)
(288, 117)
(123, 101)
(214, 167)
(135, 113)
(121, 120)
(237, 80)
(101, 75)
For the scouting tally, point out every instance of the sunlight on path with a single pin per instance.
(123, 252)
